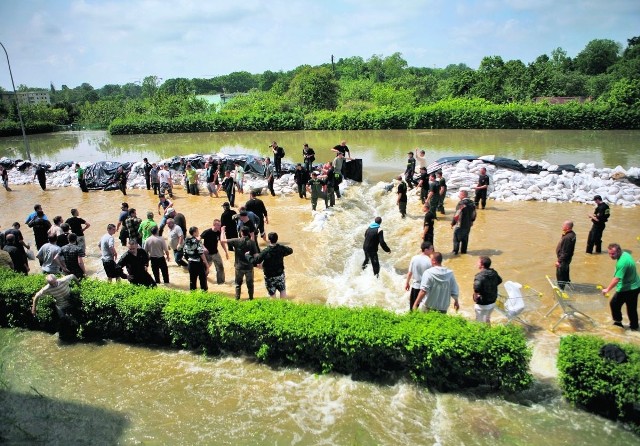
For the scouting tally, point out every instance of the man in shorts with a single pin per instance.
(271, 259)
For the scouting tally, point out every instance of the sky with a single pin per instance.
(69, 42)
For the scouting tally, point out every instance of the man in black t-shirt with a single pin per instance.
(423, 184)
(75, 223)
(278, 154)
(481, 188)
(210, 238)
(147, 172)
(599, 218)
(342, 148)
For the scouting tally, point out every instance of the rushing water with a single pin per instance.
(112, 393)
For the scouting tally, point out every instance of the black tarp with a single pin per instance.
(101, 175)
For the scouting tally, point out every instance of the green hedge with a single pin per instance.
(598, 384)
(449, 114)
(439, 351)
(11, 128)
(222, 122)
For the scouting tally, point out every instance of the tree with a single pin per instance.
(516, 81)
(267, 79)
(351, 68)
(541, 75)
(239, 81)
(560, 60)
(110, 91)
(490, 79)
(598, 55)
(314, 89)
(625, 92)
(633, 48)
(150, 86)
(131, 90)
(179, 86)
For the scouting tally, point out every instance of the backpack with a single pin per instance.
(190, 248)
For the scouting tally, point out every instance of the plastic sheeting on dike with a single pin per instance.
(101, 175)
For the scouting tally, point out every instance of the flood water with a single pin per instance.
(112, 393)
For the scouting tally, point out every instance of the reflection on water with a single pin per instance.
(178, 397)
(377, 148)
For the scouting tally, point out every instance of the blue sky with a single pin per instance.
(118, 41)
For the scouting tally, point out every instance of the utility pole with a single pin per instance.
(15, 95)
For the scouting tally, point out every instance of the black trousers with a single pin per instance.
(595, 238)
(562, 275)
(630, 298)
(143, 278)
(375, 263)
(197, 271)
(270, 185)
(159, 264)
(460, 240)
(481, 196)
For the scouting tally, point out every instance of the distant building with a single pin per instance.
(561, 99)
(218, 99)
(27, 97)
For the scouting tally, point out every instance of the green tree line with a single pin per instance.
(603, 72)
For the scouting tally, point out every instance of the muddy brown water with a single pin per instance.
(119, 394)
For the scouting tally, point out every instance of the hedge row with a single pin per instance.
(601, 385)
(11, 128)
(453, 114)
(481, 115)
(439, 351)
(207, 123)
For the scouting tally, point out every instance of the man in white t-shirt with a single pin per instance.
(109, 255)
(418, 265)
(176, 241)
(166, 183)
(421, 160)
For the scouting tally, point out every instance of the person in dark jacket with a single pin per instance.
(41, 174)
(245, 249)
(564, 253)
(40, 226)
(485, 289)
(463, 219)
(136, 261)
(272, 261)
(147, 172)
(410, 171)
(599, 218)
(401, 193)
(17, 253)
(309, 156)
(228, 222)
(373, 238)
(301, 177)
(257, 206)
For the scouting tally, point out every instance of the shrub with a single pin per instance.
(601, 385)
(437, 350)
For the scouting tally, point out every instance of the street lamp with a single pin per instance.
(15, 95)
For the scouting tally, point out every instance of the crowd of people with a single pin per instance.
(432, 286)
(61, 246)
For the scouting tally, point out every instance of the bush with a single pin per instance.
(440, 351)
(601, 385)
